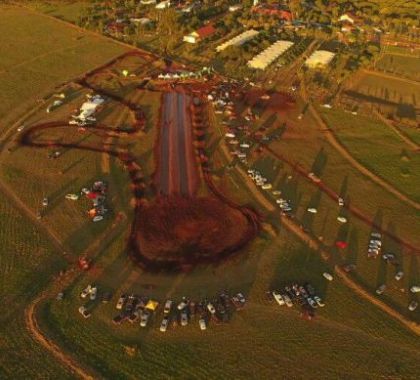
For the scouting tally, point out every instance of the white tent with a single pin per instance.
(238, 40)
(267, 56)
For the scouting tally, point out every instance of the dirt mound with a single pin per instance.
(176, 232)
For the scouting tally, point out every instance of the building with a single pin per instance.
(234, 8)
(319, 58)
(200, 34)
(238, 40)
(163, 4)
(267, 56)
(273, 10)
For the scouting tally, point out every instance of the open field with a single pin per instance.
(349, 338)
(392, 95)
(40, 54)
(27, 264)
(256, 340)
(378, 148)
(404, 66)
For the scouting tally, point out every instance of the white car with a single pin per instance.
(415, 289)
(318, 300)
(182, 304)
(267, 186)
(381, 289)
(21, 128)
(98, 218)
(376, 235)
(93, 293)
(312, 210)
(120, 302)
(84, 311)
(278, 297)
(86, 291)
(342, 219)
(328, 276)
(413, 305)
(211, 308)
(73, 197)
(184, 318)
(399, 275)
(144, 318)
(287, 300)
(164, 324)
(202, 323)
(276, 192)
(312, 303)
(341, 202)
(168, 306)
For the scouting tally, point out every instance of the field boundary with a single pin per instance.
(332, 139)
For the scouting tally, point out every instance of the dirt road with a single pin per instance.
(177, 169)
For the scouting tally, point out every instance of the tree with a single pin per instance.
(168, 29)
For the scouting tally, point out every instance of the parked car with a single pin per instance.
(184, 318)
(164, 324)
(341, 202)
(287, 300)
(318, 300)
(59, 296)
(144, 318)
(167, 307)
(121, 301)
(415, 289)
(376, 235)
(381, 289)
(84, 311)
(73, 197)
(98, 218)
(182, 304)
(45, 202)
(312, 302)
(211, 308)
(278, 297)
(342, 219)
(120, 318)
(106, 297)
(134, 316)
(328, 276)
(399, 275)
(413, 305)
(86, 291)
(202, 324)
(93, 293)
(312, 210)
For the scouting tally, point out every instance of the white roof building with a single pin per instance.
(163, 4)
(319, 58)
(238, 40)
(88, 108)
(267, 56)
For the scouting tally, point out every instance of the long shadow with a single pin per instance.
(319, 163)
(344, 187)
(413, 277)
(72, 165)
(353, 247)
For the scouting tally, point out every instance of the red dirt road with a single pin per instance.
(177, 168)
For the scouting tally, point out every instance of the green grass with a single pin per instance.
(39, 54)
(68, 10)
(259, 341)
(27, 262)
(378, 148)
(404, 66)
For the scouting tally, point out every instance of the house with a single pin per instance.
(273, 10)
(234, 8)
(163, 4)
(348, 18)
(319, 58)
(200, 34)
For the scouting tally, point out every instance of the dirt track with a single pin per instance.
(177, 170)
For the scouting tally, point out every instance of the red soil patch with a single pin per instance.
(184, 231)
(278, 101)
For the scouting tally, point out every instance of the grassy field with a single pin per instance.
(68, 10)
(378, 148)
(259, 341)
(404, 66)
(27, 262)
(40, 54)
